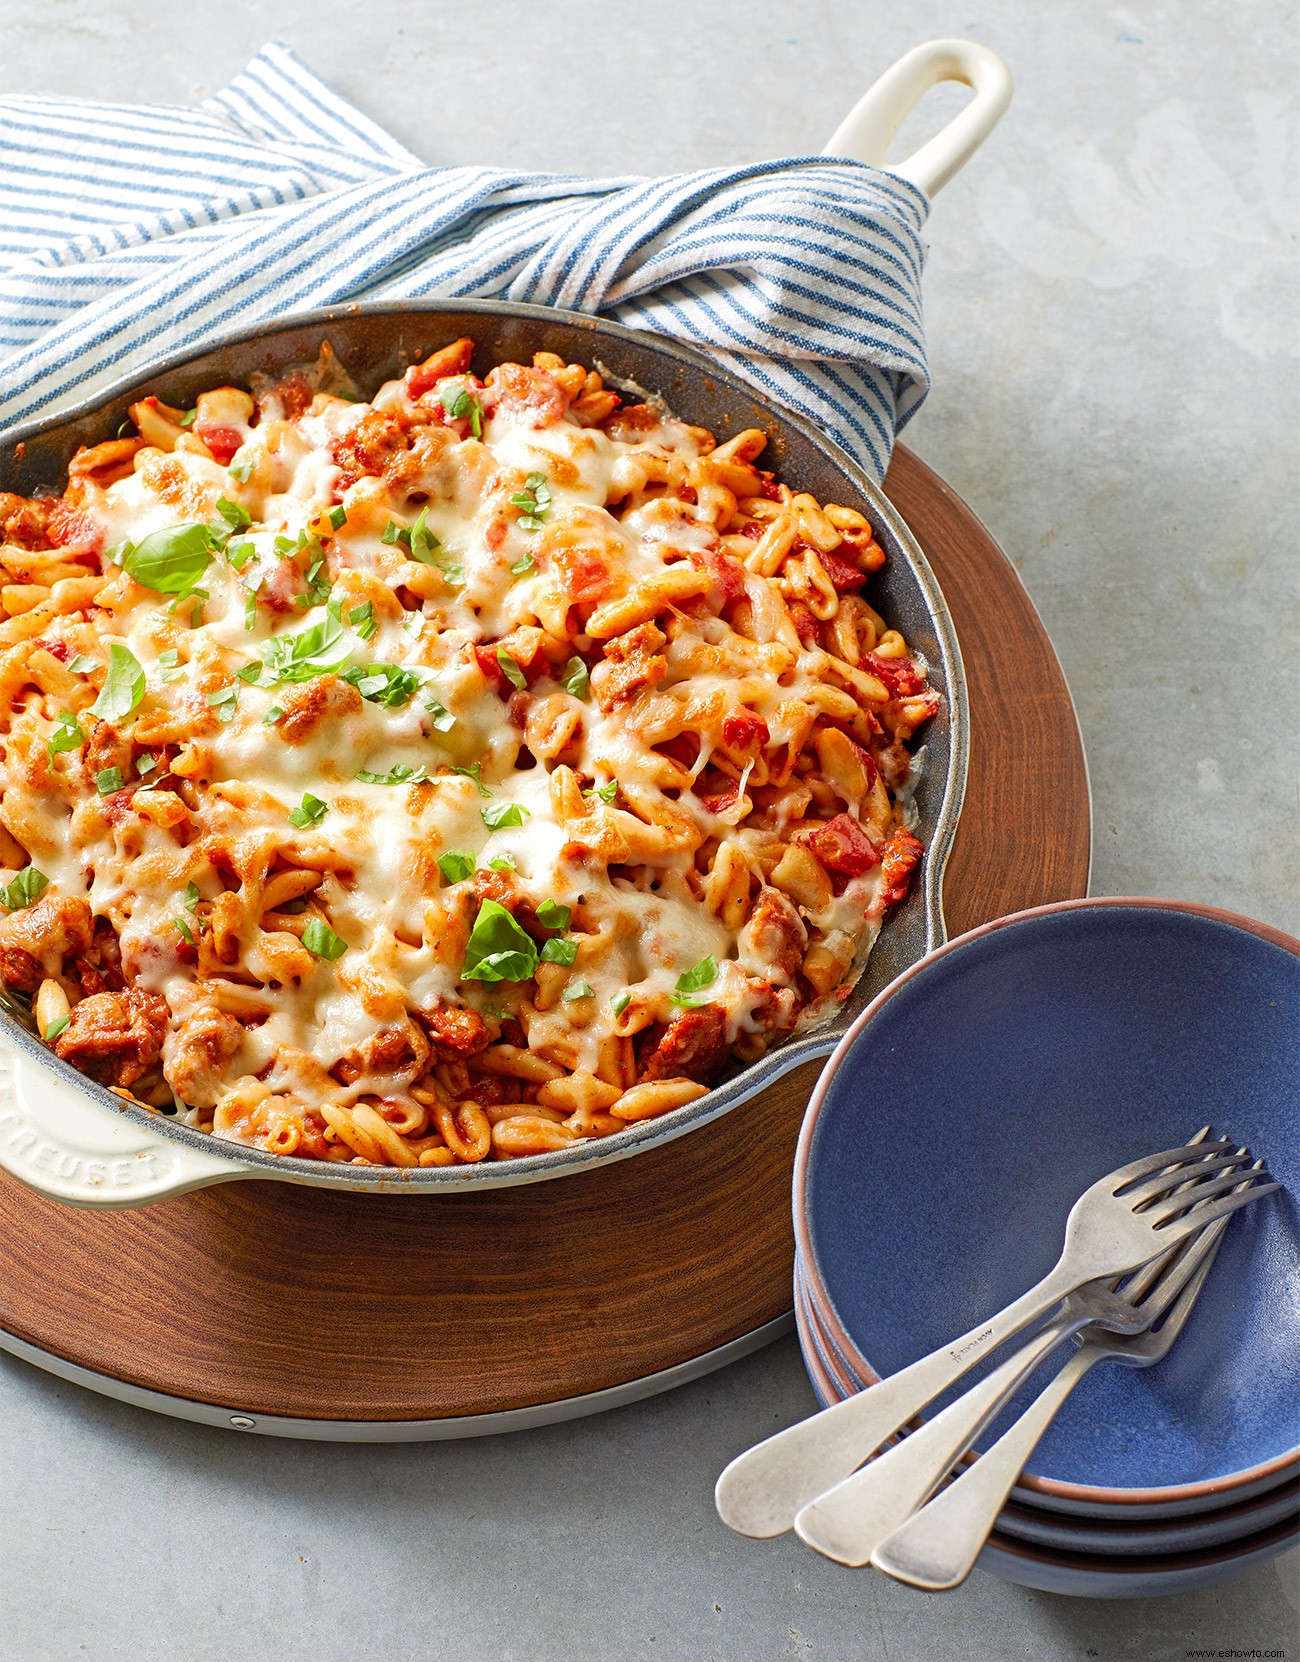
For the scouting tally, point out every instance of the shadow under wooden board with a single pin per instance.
(268, 1299)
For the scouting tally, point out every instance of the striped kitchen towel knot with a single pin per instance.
(129, 232)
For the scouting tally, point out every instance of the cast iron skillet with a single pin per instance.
(74, 1140)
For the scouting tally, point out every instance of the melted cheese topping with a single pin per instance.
(592, 668)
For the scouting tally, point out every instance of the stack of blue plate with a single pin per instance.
(949, 1136)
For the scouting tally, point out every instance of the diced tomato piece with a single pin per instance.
(726, 571)
(898, 860)
(743, 730)
(900, 675)
(69, 528)
(841, 845)
(584, 574)
(804, 620)
(221, 441)
(57, 649)
(486, 657)
(842, 573)
(722, 804)
(770, 489)
(753, 529)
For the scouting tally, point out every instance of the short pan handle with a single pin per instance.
(868, 130)
(57, 1139)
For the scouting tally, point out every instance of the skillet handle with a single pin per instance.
(867, 131)
(56, 1139)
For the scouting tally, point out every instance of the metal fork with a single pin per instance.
(1121, 1222)
(937, 1546)
(851, 1521)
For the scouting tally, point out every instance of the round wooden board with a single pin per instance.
(267, 1299)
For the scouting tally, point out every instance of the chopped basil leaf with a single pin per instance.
(184, 928)
(118, 552)
(498, 949)
(241, 554)
(168, 659)
(620, 1002)
(338, 517)
(510, 669)
(320, 939)
(311, 811)
(362, 619)
(576, 678)
(108, 780)
(395, 533)
(29, 885)
(274, 714)
(456, 865)
(551, 915)
(145, 764)
(388, 685)
(171, 561)
(187, 420)
(522, 564)
(559, 950)
(606, 793)
(192, 896)
(235, 516)
(310, 652)
(577, 989)
(223, 702)
(66, 736)
(240, 470)
(693, 980)
(422, 540)
(293, 907)
(402, 773)
(443, 720)
(250, 610)
(504, 862)
(501, 814)
(81, 663)
(534, 502)
(55, 1028)
(461, 405)
(249, 673)
(123, 686)
(472, 772)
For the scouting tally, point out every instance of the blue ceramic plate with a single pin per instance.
(1122, 1570)
(985, 1090)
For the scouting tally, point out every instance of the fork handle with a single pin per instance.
(763, 1489)
(937, 1547)
(851, 1520)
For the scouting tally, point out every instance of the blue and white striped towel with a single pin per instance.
(130, 231)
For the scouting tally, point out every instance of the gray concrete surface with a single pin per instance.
(1113, 334)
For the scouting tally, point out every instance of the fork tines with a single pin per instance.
(1195, 1185)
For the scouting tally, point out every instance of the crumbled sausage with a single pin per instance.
(457, 1030)
(693, 1046)
(19, 970)
(56, 927)
(114, 1037)
(397, 1051)
(633, 662)
(772, 943)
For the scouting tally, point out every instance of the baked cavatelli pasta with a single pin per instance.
(450, 776)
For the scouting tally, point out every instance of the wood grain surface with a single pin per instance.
(271, 1299)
